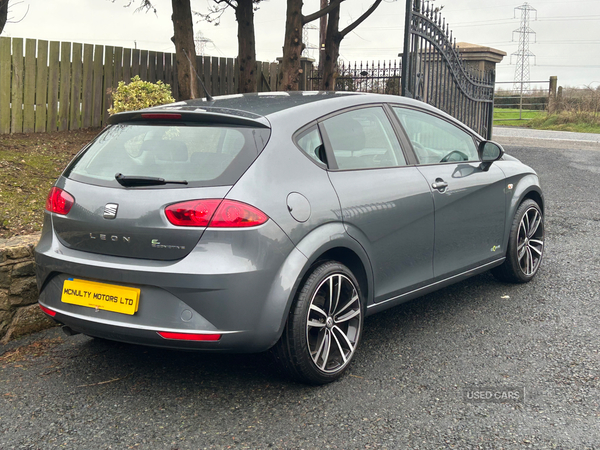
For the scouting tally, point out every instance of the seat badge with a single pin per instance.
(110, 210)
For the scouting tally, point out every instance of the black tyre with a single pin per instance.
(525, 245)
(324, 326)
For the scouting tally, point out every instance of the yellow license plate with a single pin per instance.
(120, 299)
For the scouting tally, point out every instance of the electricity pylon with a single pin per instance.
(522, 71)
(309, 47)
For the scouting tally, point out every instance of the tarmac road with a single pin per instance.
(407, 387)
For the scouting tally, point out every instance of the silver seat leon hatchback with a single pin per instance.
(278, 221)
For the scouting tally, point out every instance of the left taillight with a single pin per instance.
(59, 201)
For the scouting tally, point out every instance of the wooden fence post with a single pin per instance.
(5, 75)
(107, 86)
(127, 65)
(97, 94)
(76, 75)
(87, 102)
(53, 73)
(41, 87)
(552, 95)
(16, 123)
(230, 88)
(29, 87)
(65, 86)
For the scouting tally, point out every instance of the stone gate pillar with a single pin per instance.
(479, 57)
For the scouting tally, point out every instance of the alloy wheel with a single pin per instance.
(333, 323)
(530, 243)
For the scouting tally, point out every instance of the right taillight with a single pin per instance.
(215, 213)
(59, 201)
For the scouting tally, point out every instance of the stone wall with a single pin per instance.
(19, 311)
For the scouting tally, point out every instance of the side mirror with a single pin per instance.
(488, 153)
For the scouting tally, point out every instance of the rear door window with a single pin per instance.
(200, 155)
(363, 139)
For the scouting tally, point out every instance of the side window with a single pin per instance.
(310, 142)
(435, 140)
(364, 139)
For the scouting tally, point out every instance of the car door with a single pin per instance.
(469, 200)
(386, 204)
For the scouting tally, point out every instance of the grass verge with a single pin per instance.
(576, 121)
(510, 117)
(29, 165)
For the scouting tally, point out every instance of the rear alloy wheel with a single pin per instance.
(324, 326)
(525, 245)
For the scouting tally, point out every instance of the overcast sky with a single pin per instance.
(568, 41)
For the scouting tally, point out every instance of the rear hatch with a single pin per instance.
(122, 182)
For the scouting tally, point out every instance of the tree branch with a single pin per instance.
(214, 14)
(361, 19)
(144, 5)
(314, 16)
(228, 2)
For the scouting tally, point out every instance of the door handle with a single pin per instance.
(440, 185)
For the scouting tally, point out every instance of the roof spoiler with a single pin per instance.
(199, 115)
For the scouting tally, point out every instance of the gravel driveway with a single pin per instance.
(411, 384)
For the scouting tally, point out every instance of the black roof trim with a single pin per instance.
(196, 115)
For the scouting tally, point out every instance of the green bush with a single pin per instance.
(140, 94)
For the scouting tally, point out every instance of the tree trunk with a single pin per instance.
(244, 14)
(332, 52)
(183, 38)
(3, 14)
(289, 75)
(332, 45)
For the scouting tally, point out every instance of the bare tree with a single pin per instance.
(4, 14)
(183, 38)
(332, 44)
(289, 75)
(244, 14)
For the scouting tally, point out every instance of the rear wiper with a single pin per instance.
(128, 181)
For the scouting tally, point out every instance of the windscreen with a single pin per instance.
(199, 155)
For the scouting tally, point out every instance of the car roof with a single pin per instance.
(264, 108)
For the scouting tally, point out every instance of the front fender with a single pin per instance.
(523, 188)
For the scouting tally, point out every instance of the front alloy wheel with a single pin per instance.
(530, 241)
(324, 326)
(525, 245)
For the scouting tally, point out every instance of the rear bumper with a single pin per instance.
(230, 284)
(230, 341)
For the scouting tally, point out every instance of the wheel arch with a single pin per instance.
(326, 243)
(527, 187)
(536, 197)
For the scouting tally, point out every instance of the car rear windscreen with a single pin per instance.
(200, 155)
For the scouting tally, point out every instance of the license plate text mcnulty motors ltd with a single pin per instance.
(119, 299)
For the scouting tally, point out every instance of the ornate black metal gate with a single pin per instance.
(434, 72)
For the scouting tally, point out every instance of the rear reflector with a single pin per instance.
(189, 336)
(47, 311)
(161, 116)
(59, 201)
(215, 213)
